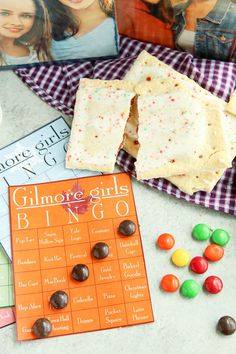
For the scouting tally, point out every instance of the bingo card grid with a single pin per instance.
(15, 175)
(43, 175)
(6, 280)
(59, 172)
(7, 292)
(116, 294)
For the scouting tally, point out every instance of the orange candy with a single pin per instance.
(170, 283)
(165, 241)
(214, 252)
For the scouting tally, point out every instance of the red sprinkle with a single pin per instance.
(148, 78)
(172, 161)
(136, 142)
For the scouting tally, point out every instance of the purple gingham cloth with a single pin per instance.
(57, 86)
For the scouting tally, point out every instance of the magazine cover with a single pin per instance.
(205, 28)
(36, 31)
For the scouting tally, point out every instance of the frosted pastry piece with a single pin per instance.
(178, 132)
(206, 181)
(101, 111)
(147, 67)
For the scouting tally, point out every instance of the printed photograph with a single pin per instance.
(35, 31)
(205, 28)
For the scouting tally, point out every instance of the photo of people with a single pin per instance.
(148, 21)
(205, 28)
(34, 31)
(25, 32)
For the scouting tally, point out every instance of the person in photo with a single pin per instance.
(206, 28)
(82, 28)
(146, 20)
(25, 32)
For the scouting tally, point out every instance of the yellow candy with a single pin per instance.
(180, 258)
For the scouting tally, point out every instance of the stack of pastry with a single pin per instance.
(173, 127)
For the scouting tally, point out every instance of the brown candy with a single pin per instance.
(80, 272)
(100, 250)
(226, 325)
(127, 228)
(59, 299)
(42, 328)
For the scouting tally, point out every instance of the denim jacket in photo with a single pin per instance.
(215, 36)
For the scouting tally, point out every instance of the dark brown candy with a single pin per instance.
(59, 299)
(226, 325)
(80, 272)
(100, 250)
(127, 228)
(42, 328)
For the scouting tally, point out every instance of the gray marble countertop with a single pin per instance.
(182, 326)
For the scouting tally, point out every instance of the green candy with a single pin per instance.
(190, 288)
(221, 237)
(201, 232)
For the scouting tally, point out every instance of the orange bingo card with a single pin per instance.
(60, 223)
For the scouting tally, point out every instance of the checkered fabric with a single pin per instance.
(57, 86)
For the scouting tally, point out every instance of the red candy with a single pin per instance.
(165, 241)
(213, 284)
(199, 265)
(170, 283)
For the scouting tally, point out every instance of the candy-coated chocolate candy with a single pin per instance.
(165, 241)
(226, 325)
(180, 258)
(190, 288)
(213, 284)
(201, 232)
(170, 283)
(199, 265)
(100, 250)
(59, 299)
(214, 252)
(80, 272)
(127, 228)
(42, 328)
(220, 237)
